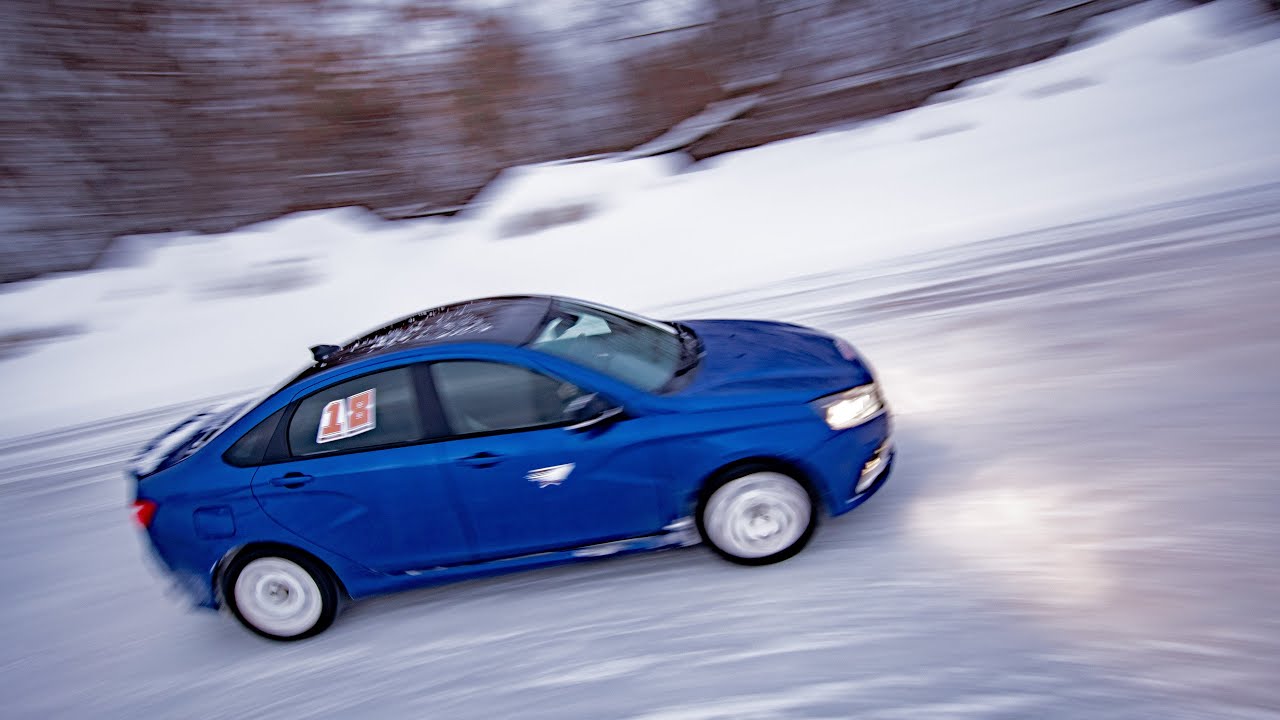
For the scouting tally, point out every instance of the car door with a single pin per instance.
(526, 482)
(360, 482)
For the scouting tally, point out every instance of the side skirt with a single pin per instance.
(681, 533)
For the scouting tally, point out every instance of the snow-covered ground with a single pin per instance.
(1083, 522)
(1172, 108)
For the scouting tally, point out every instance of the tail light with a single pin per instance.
(143, 512)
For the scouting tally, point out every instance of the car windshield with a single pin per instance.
(638, 351)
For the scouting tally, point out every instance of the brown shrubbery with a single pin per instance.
(149, 116)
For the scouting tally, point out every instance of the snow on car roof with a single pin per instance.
(503, 320)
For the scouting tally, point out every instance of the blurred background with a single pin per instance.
(140, 117)
(1051, 224)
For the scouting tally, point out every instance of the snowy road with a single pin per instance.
(1083, 523)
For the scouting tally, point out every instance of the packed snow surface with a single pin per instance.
(1081, 524)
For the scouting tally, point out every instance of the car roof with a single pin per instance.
(508, 320)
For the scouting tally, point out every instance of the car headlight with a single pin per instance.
(851, 407)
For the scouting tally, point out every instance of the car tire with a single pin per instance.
(757, 516)
(281, 595)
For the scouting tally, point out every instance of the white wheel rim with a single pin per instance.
(757, 515)
(278, 596)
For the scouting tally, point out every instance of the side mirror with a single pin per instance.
(588, 411)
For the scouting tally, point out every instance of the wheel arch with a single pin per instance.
(285, 549)
(802, 475)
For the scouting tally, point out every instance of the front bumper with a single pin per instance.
(853, 464)
(875, 468)
(873, 475)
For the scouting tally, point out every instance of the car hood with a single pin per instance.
(786, 362)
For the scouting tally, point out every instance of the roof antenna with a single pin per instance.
(320, 353)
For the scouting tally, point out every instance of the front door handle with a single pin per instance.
(480, 460)
(292, 480)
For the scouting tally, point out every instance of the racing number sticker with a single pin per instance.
(347, 417)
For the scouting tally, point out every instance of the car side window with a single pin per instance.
(483, 396)
(249, 450)
(367, 412)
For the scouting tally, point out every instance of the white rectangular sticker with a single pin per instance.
(347, 417)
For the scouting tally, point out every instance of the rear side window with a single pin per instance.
(481, 397)
(249, 450)
(370, 411)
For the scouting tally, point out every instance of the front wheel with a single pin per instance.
(280, 595)
(757, 518)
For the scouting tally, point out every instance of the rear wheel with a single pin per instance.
(281, 595)
(757, 517)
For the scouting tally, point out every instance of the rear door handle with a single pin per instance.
(292, 480)
(480, 460)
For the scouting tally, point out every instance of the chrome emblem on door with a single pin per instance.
(553, 475)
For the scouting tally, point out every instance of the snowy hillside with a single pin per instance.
(1177, 107)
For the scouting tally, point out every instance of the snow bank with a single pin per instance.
(1170, 108)
(529, 199)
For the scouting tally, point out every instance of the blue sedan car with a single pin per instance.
(507, 433)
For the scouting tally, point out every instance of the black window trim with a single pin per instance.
(278, 415)
(435, 426)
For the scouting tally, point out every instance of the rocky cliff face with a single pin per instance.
(125, 117)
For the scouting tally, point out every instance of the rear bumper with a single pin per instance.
(189, 586)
